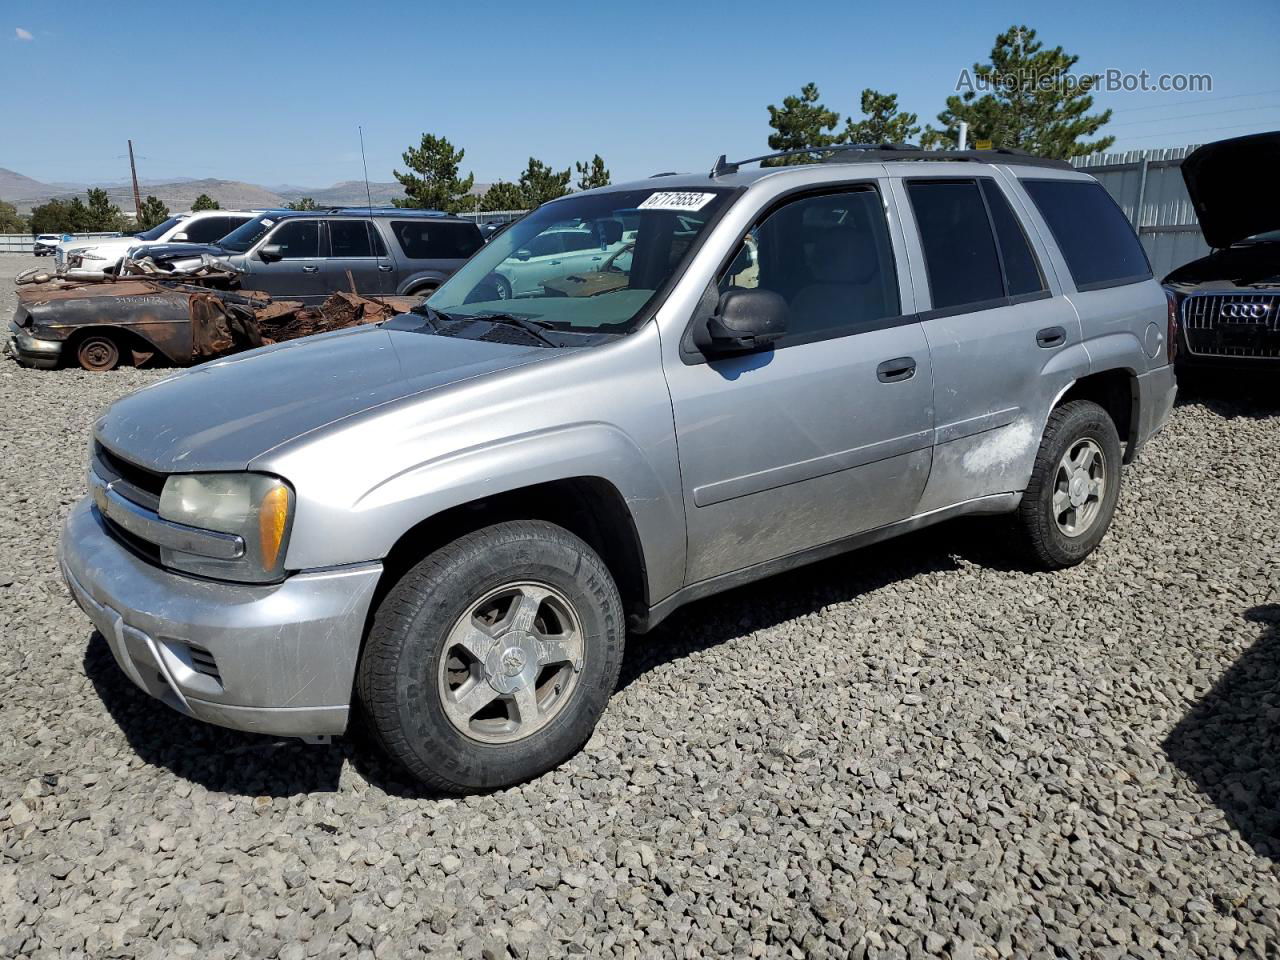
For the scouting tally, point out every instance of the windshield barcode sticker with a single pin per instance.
(672, 200)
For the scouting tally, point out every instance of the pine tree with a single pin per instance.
(205, 202)
(1027, 107)
(883, 121)
(801, 122)
(592, 174)
(539, 183)
(433, 181)
(151, 213)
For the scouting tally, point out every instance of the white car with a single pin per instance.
(554, 254)
(45, 244)
(91, 258)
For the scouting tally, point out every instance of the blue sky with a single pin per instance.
(273, 93)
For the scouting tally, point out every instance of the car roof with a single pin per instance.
(409, 213)
(893, 161)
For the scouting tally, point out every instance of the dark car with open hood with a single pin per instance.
(1229, 302)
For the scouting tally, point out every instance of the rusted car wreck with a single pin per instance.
(148, 316)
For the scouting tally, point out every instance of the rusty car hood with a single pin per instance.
(1234, 187)
(223, 414)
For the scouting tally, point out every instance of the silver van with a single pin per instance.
(452, 521)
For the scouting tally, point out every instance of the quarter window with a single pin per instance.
(1093, 234)
(298, 239)
(959, 249)
(1021, 270)
(435, 240)
(829, 257)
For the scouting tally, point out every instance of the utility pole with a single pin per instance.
(137, 197)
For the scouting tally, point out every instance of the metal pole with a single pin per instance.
(1142, 195)
(137, 196)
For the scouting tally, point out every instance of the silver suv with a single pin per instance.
(454, 519)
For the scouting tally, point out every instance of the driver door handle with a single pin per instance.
(310, 269)
(896, 370)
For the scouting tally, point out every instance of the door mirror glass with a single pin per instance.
(270, 252)
(745, 320)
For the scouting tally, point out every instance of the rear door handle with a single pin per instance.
(893, 371)
(385, 267)
(1051, 337)
(310, 269)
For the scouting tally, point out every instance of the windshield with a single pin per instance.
(159, 230)
(247, 234)
(587, 264)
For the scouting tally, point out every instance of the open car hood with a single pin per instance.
(1235, 187)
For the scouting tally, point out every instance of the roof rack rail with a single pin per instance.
(887, 152)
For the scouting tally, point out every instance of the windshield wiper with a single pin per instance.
(537, 328)
(433, 316)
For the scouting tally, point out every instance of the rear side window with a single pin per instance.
(1093, 234)
(208, 229)
(435, 240)
(959, 250)
(298, 239)
(350, 238)
(1021, 270)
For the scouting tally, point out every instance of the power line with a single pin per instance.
(1179, 133)
(1191, 116)
(1198, 100)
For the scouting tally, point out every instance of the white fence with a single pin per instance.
(1148, 186)
(25, 242)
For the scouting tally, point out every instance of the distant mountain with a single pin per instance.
(15, 186)
(179, 193)
(348, 193)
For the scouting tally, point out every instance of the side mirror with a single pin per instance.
(270, 252)
(523, 254)
(745, 320)
(179, 236)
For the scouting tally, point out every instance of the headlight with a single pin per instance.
(253, 506)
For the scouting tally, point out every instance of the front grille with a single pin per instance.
(140, 485)
(1233, 324)
(134, 483)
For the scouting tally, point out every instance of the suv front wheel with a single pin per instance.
(491, 660)
(1068, 505)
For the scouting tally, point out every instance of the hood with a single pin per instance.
(224, 414)
(102, 243)
(1235, 187)
(180, 251)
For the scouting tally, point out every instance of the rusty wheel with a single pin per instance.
(98, 354)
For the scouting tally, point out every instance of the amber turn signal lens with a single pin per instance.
(273, 517)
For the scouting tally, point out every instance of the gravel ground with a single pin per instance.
(912, 751)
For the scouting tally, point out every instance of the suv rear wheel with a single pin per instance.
(490, 661)
(1068, 505)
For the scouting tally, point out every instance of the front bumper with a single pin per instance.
(32, 351)
(278, 659)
